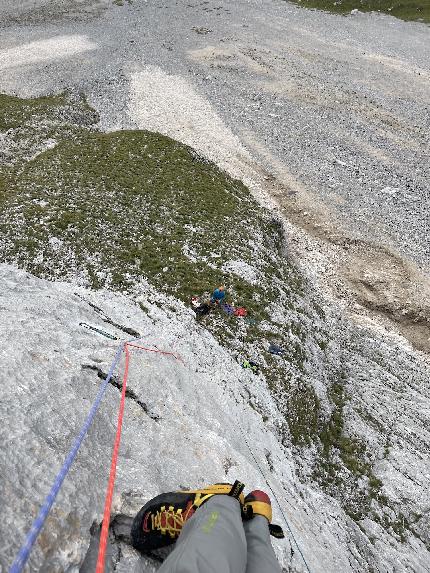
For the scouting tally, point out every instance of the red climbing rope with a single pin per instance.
(109, 493)
(153, 350)
(100, 567)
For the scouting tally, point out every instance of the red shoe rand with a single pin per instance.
(258, 503)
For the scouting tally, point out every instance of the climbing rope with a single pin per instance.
(24, 552)
(100, 567)
(273, 493)
(156, 350)
(38, 523)
(275, 497)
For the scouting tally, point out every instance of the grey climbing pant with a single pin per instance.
(215, 540)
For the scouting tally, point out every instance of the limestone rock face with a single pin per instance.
(182, 428)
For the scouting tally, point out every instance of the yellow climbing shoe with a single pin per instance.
(160, 521)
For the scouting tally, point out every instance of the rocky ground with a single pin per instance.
(326, 119)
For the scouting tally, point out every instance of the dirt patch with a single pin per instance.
(375, 277)
(387, 284)
(235, 58)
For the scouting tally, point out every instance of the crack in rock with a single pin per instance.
(119, 535)
(108, 320)
(117, 384)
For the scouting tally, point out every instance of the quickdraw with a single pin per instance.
(98, 330)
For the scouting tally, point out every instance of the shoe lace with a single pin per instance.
(172, 520)
(169, 520)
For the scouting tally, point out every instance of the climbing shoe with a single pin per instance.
(258, 503)
(159, 522)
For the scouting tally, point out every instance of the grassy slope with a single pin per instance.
(112, 208)
(403, 9)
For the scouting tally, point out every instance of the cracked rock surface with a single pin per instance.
(203, 407)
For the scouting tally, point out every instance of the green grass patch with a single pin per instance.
(112, 208)
(304, 406)
(415, 10)
(132, 204)
(344, 470)
(16, 112)
(344, 459)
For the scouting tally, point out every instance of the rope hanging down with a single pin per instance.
(235, 420)
(101, 558)
(38, 523)
(109, 493)
(24, 552)
(274, 495)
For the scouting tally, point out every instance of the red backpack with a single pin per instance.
(241, 311)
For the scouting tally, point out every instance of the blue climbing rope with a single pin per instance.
(24, 552)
